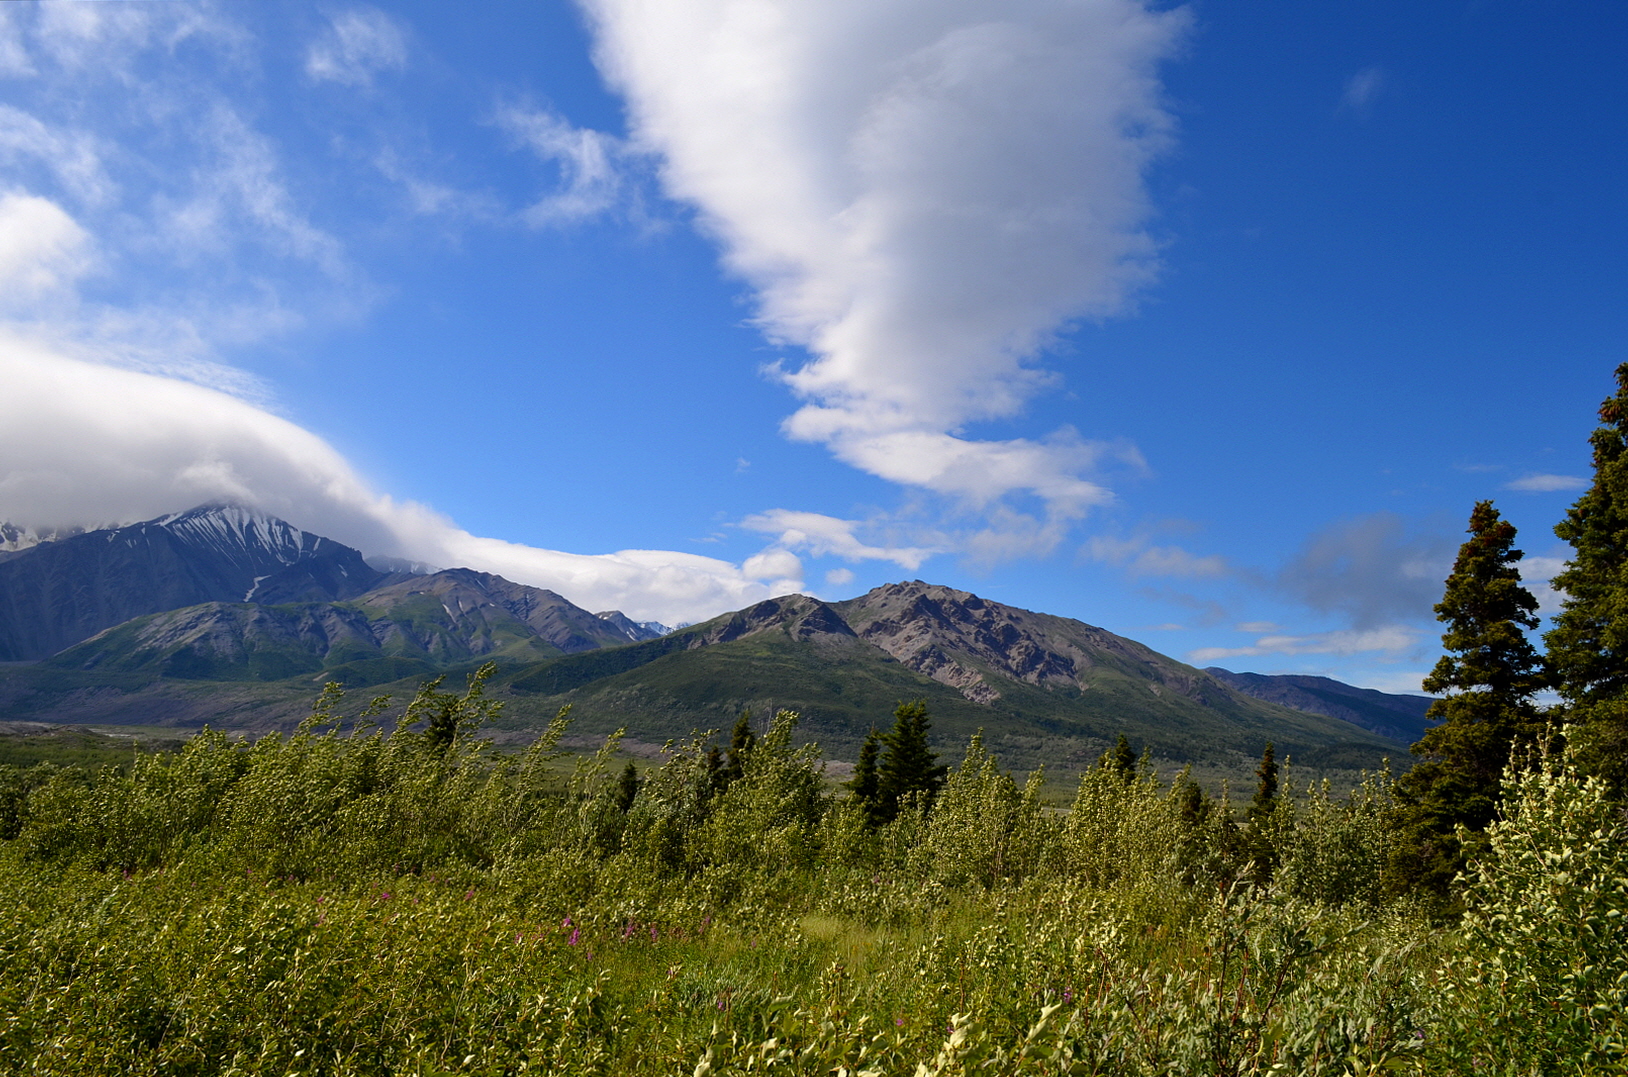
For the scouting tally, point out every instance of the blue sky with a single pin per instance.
(1203, 323)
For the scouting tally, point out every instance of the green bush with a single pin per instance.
(350, 900)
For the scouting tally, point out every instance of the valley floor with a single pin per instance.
(369, 904)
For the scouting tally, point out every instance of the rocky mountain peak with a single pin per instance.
(802, 618)
(958, 638)
(54, 594)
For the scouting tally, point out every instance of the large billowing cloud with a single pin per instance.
(124, 168)
(922, 193)
(88, 443)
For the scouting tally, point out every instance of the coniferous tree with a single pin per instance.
(1487, 681)
(1588, 646)
(1265, 801)
(866, 782)
(1259, 843)
(1193, 804)
(627, 787)
(909, 766)
(717, 779)
(447, 716)
(741, 742)
(1122, 760)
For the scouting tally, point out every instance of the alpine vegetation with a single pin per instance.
(350, 901)
(355, 900)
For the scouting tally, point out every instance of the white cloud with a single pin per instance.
(829, 535)
(773, 564)
(71, 155)
(1388, 639)
(839, 577)
(86, 443)
(14, 61)
(42, 250)
(1363, 87)
(1141, 558)
(1258, 627)
(922, 193)
(1545, 484)
(240, 193)
(356, 46)
(591, 181)
(1536, 572)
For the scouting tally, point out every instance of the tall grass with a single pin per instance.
(348, 900)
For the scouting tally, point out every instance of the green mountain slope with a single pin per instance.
(1045, 689)
(406, 629)
(1040, 685)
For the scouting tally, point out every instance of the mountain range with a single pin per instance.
(225, 615)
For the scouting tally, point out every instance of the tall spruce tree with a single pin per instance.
(866, 785)
(909, 765)
(1588, 646)
(1259, 842)
(1122, 760)
(1487, 681)
(741, 742)
(1265, 800)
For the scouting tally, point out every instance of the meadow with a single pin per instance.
(352, 900)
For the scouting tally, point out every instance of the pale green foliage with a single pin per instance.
(1330, 852)
(350, 901)
(1541, 985)
(983, 828)
(1120, 832)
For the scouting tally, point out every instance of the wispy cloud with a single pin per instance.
(1372, 569)
(1363, 87)
(14, 61)
(592, 179)
(1546, 484)
(1386, 639)
(922, 196)
(71, 155)
(1141, 557)
(356, 46)
(822, 536)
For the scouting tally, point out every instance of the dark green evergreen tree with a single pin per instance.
(866, 783)
(717, 777)
(741, 742)
(909, 765)
(1259, 840)
(1487, 680)
(1265, 801)
(1122, 761)
(446, 716)
(627, 787)
(1191, 800)
(1588, 646)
